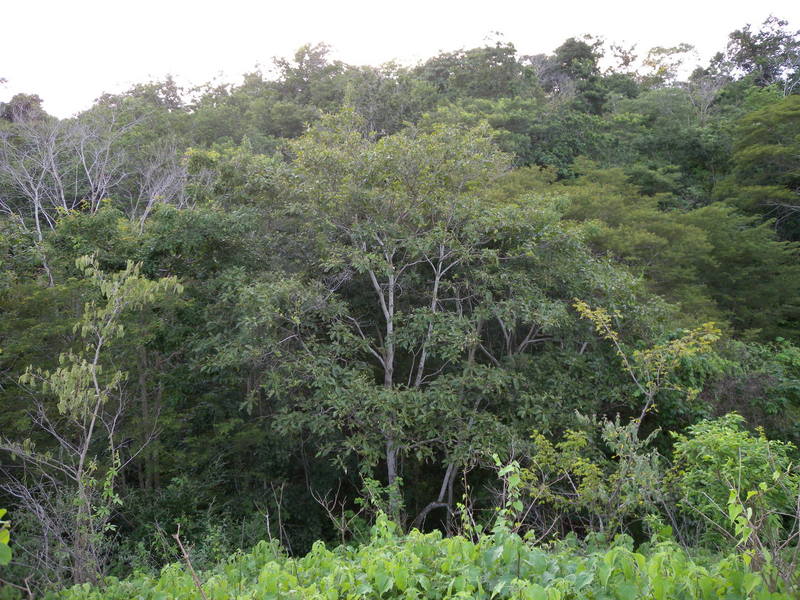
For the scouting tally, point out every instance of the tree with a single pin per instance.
(71, 492)
(388, 97)
(572, 72)
(670, 127)
(715, 262)
(535, 132)
(767, 164)
(22, 107)
(715, 457)
(663, 64)
(400, 344)
(56, 166)
(311, 79)
(769, 56)
(703, 88)
(490, 72)
(752, 275)
(160, 177)
(407, 229)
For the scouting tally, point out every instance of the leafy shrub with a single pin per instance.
(599, 488)
(718, 456)
(421, 565)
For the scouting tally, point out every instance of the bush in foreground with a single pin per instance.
(419, 565)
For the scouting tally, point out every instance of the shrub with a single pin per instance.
(720, 455)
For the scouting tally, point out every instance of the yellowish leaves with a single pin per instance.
(651, 369)
(600, 317)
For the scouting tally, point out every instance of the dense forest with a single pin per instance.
(491, 325)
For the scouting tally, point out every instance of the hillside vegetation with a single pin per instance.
(540, 313)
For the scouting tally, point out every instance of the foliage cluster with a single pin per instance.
(418, 565)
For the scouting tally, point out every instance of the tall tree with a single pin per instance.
(767, 164)
(429, 289)
(769, 56)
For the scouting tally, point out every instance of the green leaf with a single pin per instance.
(498, 588)
(5, 554)
(626, 591)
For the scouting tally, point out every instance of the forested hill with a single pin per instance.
(554, 295)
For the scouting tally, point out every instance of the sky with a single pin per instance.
(71, 51)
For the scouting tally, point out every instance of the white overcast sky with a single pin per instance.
(70, 51)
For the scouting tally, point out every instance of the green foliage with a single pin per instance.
(5, 551)
(767, 56)
(431, 288)
(578, 481)
(73, 491)
(76, 384)
(716, 456)
(487, 72)
(379, 267)
(752, 279)
(536, 133)
(420, 565)
(716, 263)
(231, 176)
(652, 369)
(766, 165)
(765, 532)
(388, 98)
